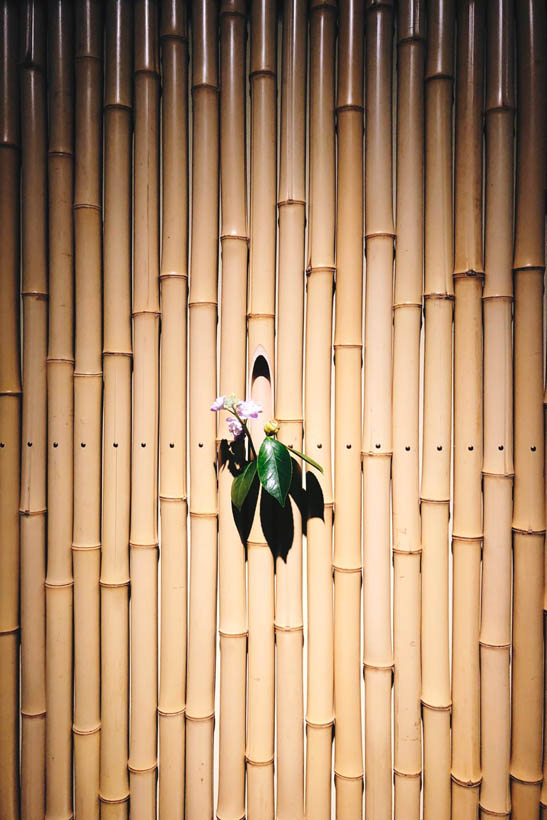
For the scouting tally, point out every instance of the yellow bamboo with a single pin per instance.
(406, 395)
(437, 411)
(114, 582)
(320, 271)
(261, 353)
(34, 417)
(200, 692)
(495, 632)
(348, 749)
(60, 368)
(10, 411)
(173, 503)
(529, 489)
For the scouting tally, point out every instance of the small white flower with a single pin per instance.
(248, 409)
(218, 404)
(235, 428)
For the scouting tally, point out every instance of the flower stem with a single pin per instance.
(245, 429)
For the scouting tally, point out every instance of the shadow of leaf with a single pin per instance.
(244, 517)
(314, 497)
(232, 456)
(277, 525)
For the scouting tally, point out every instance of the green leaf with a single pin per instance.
(242, 484)
(275, 469)
(307, 458)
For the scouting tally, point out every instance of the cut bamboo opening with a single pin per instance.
(114, 582)
(348, 748)
(406, 406)
(173, 501)
(10, 412)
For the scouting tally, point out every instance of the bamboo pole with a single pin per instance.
(529, 489)
(173, 502)
(60, 369)
(406, 400)
(495, 632)
(10, 414)
(348, 749)
(320, 272)
(144, 452)
(234, 241)
(200, 693)
(34, 416)
(437, 411)
(114, 582)
(261, 355)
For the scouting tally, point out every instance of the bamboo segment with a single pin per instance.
(144, 450)
(495, 632)
(173, 503)
(10, 411)
(60, 368)
(406, 394)
(437, 411)
(114, 785)
(233, 237)
(529, 490)
(348, 751)
(200, 697)
(34, 415)
(261, 321)
(321, 237)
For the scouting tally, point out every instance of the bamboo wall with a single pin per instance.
(338, 210)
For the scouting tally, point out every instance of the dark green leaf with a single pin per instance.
(242, 484)
(275, 469)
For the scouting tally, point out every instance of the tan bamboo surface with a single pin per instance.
(34, 290)
(114, 581)
(348, 745)
(60, 369)
(291, 205)
(437, 410)
(144, 451)
(200, 691)
(10, 413)
(495, 629)
(173, 502)
(233, 324)
(317, 407)
(529, 489)
(407, 319)
(259, 751)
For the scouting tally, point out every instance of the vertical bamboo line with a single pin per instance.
(173, 502)
(320, 272)
(406, 400)
(144, 450)
(60, 369)
(437, 410)
(261, 356)
(234, 241)
(114, 581)
(529, 489)
(34, 416)
(348, 748)
(200, 697)
(10, 413)
(495, 632)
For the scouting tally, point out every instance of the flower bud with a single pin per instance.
(271, 427)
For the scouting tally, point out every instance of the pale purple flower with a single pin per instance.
(235, 428)
(218, 404)
(248, 409)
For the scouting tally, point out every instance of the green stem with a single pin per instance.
(245, 429)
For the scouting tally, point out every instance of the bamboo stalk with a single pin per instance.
(200, 693)
(234, 241)
(495, 632)
(348, 749)
(437, 411)
(114, 582)
(60, 369)
(34, 416)
(529, 489)
(144, 452)
(406, 395)
(320, 271)
(173, 502)
(261, 353)
(10, 414)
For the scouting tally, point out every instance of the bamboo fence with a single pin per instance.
(290, 202)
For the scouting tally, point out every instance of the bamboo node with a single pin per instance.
(37, 294)
(436, 295)
(281, 628)
(84, 548)
(380, 235)
(409, 775)
(465, 784)
(113, 800)
(136, 546)
(346, 569)
(124, 353)
(29, 513)
(434, 708)
(114, 584)
(348, 346)
(250, 762)
(207, 86)
(399, 305)
(172, 275)
(59, 360)
(527, 532)
(239, 237)
(470, 539)
(282, 202)
(233, 634)
(262, 72)
(468, 274)
(425, 500)
(167, 714)
(33, 715)
(492, 813)
(11, 392)
(499, 297)
(349, 107)
(173, 498)
(56, 153)
(83, 732)
(379, 668)
(195, 303)
(203, 514)
(116, 107)
(145, 312)
(498, 475)
(146, 770)
(11, 630)
(79, 206)
(198, 718)
(533, 782)
(400, 551)
(261, 316)
(62, 585)
(349, 777)
(377, 454)
(325, 725)
(495, 645)
(257, 544)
